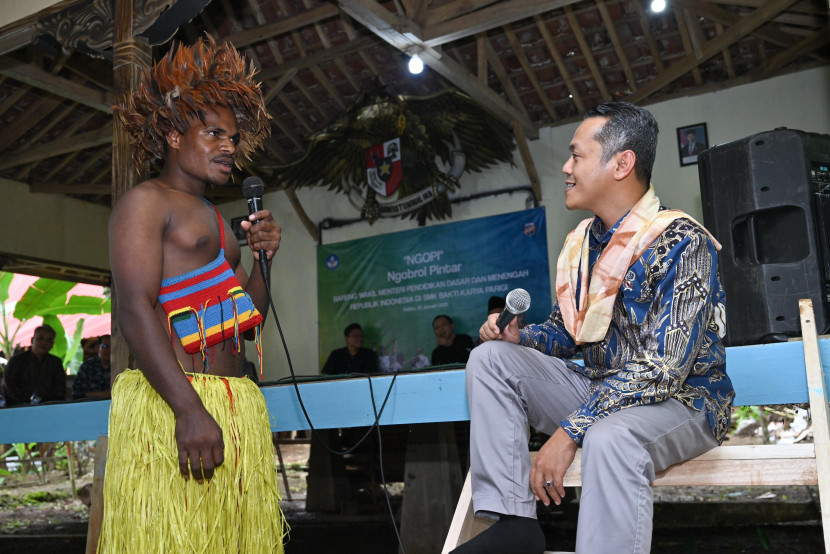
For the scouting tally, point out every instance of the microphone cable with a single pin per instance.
(375, 424)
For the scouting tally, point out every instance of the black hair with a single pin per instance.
(496, 302)
(628, 127)
(46, 328)
(436, 318)
(351, 327)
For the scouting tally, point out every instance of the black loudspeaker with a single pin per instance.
(766, 198)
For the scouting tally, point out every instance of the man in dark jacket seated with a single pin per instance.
(35, 376)
(353, 358)
(452, 348)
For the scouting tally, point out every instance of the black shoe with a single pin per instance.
(509, 535)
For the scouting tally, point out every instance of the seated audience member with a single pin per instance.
(495, 305)
(353, 358)
(93, 379)
(452, 348)
(35, 375)
(90, 347)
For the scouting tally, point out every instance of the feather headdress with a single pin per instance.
(182, 86)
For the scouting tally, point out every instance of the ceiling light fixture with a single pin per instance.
(658, 6)
(416, 64)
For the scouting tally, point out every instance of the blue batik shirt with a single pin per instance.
(665, 337)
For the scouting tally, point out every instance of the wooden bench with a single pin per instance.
(762, 376)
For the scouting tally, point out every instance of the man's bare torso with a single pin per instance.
(190, 241)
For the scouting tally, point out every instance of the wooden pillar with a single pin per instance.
(530, 167)
(432, 484)
(131, 56)
(96, 509)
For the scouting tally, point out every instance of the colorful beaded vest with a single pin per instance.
(207, 306)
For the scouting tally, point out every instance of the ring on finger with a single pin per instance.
(548, 483)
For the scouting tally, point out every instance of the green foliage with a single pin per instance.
(47, 298)
(748, 412)
(19, 449)
(6, 337)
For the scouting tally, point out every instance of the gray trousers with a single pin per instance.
(510, 387)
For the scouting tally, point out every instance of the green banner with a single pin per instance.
(393, 285)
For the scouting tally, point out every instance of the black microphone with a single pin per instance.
(253, 188)
(517, 302)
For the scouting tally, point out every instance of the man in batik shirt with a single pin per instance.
(637, 288)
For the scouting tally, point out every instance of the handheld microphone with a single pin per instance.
(517, 302)
(253, 188)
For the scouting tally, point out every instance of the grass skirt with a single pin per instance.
(150, 508)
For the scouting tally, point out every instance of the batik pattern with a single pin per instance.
(665, 336)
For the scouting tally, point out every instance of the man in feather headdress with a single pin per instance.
(190, 465)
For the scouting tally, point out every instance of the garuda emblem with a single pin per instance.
(400, 156)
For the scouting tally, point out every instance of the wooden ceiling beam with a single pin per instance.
(264, 32)
(364, 56)
(726, 17)
(57, 118)
(504, 78)
(71, 188)
(396, 30)
(456, 74)
(295, 112)
(423, 9)
(323, 79)
(518, 51)
(255, 8)
(13, 98)
(289, 135)
(65, 161)
(646, 27)
(454, 9)
(742, 28)
(91, 160)
(31, 116)
(313, 60)
(576, 29)
(338, 62)
(105, 173)
(527, 158)
(560, 62)
(272, 90)
(481, 58)
(59, 147)
(615, 41)
(817, 40)
(727, 54)
(38, 78)
(498, 15)
(21, 35)
(680, 19)
(410, 7)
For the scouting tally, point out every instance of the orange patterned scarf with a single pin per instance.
(587, 318)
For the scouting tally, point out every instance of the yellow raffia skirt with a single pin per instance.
(150, 508)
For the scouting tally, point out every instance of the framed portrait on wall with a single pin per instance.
(691, 141)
